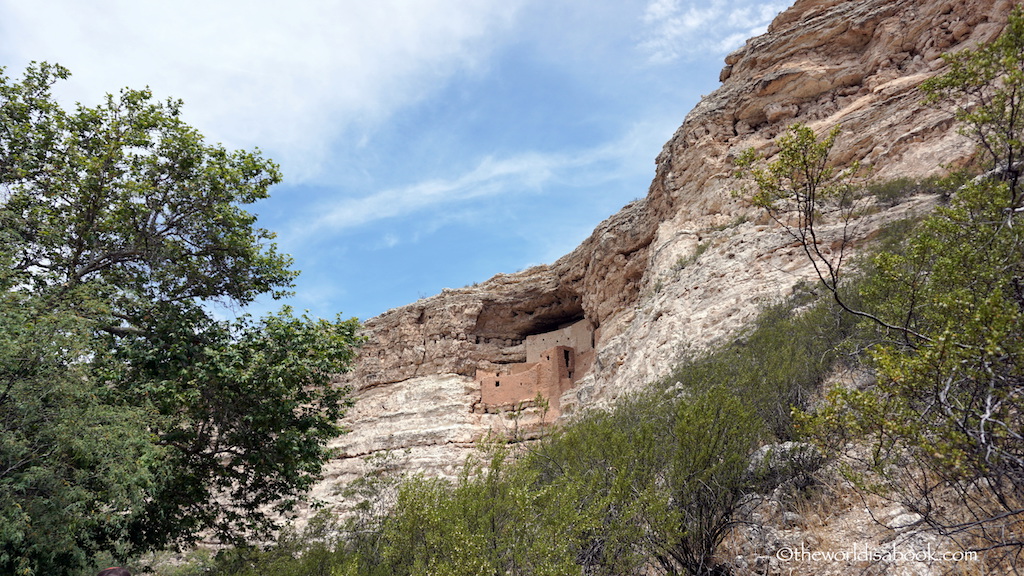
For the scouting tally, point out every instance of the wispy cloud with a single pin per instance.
(287, 76)
(490, 177)
(689, 29)
(525, 173)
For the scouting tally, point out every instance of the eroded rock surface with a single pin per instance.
(690, 263)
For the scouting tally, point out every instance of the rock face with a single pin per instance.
(692, 262)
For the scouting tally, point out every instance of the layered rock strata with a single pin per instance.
(690, 263)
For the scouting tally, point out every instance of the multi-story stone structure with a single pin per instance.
(555, 361)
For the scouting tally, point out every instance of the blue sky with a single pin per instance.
(425, 143)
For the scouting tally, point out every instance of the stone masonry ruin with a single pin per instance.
(555, 361)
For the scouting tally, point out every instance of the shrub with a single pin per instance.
(779, 363)
(890, 193)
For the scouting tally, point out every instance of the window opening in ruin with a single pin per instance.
(566, 352)
(496, 383)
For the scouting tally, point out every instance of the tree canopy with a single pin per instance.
(132, 418)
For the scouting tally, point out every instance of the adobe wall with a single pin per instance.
(584, 362)
(579, 336)
(504, 388)
(555, 372)
(554, 362)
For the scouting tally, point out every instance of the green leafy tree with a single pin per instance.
(130, 418)
(713, 437)
(607, 465)
(70, 478)
(247, 409)
(944, 417)
(815, 202)
(800, 188)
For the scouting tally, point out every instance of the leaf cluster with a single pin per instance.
(944, 421)
(985, 87)
(131, 418)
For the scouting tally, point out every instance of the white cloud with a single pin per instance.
(691, 29)
(490, 177)
(287, 76)
(524, 173)
(389, 240)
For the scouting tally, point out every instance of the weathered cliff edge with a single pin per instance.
(640, 278)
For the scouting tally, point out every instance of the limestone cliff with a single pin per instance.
(690, 263)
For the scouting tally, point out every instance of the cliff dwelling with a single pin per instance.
(555, 361)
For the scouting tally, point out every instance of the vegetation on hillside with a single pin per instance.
(654, 484)
(104, 332)
(943, 421)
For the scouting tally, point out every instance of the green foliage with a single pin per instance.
(130, 418)
(686, 260)
(713, 438)
(945, 413)
(310, 552)
(800, 179)
(373, 494)
(495, 519)
(778, 364)
(608, 464)
(806, 194)
(248, 409)
(986, 84)
(659, 477)
(63, 492)
(890, 193)
(944, 419)
(127, 196)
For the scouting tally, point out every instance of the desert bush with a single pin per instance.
(659, 479)
(892, 192)
(778, 364)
